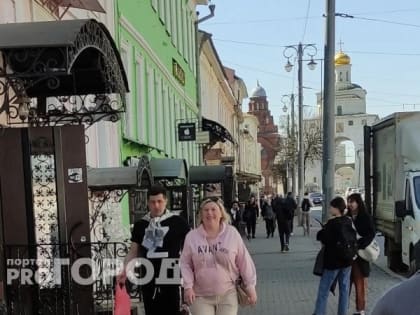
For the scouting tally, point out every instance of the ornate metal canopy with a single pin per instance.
(217, 131)
(59, 72)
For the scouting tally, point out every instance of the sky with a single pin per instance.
(382, 40)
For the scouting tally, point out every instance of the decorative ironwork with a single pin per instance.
(45, 214)
(105, 216)
(68, 84)
(217, 131)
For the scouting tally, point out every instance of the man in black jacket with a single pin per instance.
(283, 222)
(290, 205)
(159, 235)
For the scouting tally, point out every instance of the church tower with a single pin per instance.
(268, 137)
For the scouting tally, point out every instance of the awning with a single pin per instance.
(169, 169)
(110, 178)
(91, 5)
(207, 174)
(216, 130)
(63, 58)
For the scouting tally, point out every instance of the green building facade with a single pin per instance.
(157, 45)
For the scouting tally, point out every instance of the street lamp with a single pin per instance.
(299, 51)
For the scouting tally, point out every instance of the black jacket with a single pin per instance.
(366, 229)
(329, 237)
(251, 212)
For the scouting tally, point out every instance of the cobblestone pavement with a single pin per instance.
(286, 285)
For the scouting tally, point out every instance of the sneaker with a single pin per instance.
(287, 248)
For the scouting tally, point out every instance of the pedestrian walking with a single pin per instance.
(213, 259)
(283, 223)
(250, 216)
(268, 215)
(366, 231)
(291, 206)
(339, 240)
(157, 236)
(235, 214)
(306, 219)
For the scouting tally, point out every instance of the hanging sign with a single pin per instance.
(186, 132)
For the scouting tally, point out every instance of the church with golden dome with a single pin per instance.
(350, 117)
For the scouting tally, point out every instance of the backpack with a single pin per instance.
(306, 205)
(346, 245)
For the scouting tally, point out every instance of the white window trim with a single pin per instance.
(162, 13)
(168, 16)
(155, 5)
(141, 103)
(151, 106)
(158, 113)
(174, 22)
(129, 114)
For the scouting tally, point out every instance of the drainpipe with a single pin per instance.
(198, 46)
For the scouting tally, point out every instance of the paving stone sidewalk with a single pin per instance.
(286, 285)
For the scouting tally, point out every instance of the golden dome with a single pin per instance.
(341, 59)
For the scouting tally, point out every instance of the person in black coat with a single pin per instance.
(267, 213)
(335, 266)
(250, 216)
(291, 206)
(283, 222)
(366, 231)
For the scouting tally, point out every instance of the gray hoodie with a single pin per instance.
(403, 299)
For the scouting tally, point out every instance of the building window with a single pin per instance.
(339, 127)
(314, 179)
(51, 6)
(364, 122)
(141, 106)
(347, 76)
(350, 122)
(339, 110)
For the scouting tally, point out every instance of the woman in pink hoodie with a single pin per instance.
(213, 259)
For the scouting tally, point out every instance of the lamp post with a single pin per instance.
(291, 133)
(298, 51)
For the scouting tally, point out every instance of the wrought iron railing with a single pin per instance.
(40, 279)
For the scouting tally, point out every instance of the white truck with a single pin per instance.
(392, 182)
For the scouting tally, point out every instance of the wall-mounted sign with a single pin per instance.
(186, 132)
(178, 72)
(203, 137)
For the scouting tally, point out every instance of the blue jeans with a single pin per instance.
(327, 279)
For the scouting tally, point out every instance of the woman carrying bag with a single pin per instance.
(366, 232)
(213, 260)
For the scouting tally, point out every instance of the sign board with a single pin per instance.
(178, 72)
(203, 137)
(186, 132)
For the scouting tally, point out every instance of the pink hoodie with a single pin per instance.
(211, 267)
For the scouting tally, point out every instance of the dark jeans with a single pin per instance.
(269, 226)
(158, 300)
(284, 233)
(250, 226)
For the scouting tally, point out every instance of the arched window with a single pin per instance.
(339, 110)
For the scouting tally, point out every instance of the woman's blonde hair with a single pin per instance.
(219, 202)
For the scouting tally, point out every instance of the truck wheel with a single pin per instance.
(413, 265)
(394, 258)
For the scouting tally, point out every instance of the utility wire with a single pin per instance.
(349, 16)
(308, 7)
(284, 46)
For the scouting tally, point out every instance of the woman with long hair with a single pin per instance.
(337, 263)
(360, 268)
(213, 259)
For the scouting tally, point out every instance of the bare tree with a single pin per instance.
(312, 137)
